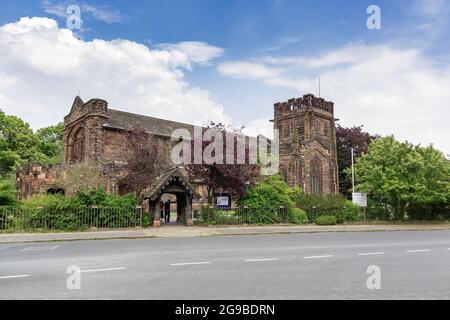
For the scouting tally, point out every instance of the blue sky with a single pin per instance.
(252, 54)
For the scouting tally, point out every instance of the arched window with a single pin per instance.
(78, 146)
(284, 173)
(316, 176)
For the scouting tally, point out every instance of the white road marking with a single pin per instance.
(259, 260)
(370, 253)
(421, 250)
(17, 276)
(46, 248)
(189, 263)
(104, 269)
(319, 257)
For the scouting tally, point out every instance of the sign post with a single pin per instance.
(360, 199)
(223, 200)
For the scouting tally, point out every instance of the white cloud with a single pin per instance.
(247, 70)
(390, 90)
(98, 12)
(259, 126)
(43, 67)
(195, 51)
(430, 7)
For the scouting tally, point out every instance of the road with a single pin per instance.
(412, 265)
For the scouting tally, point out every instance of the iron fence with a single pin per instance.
(241, 215)
(69, 218)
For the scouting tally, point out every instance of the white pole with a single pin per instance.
(353, 174)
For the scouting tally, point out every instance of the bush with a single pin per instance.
(266, 197)
(101, 198)
(350, 213)
(58, 212)
(271, 193)
(215, 216)
(7, 193)
(93, 198)
(326, 220)
(49, 200)
(325, 202)
(298, 216)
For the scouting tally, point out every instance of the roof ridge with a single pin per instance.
(155, 118)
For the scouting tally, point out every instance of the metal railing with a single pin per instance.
(241, 215)
(69, 218)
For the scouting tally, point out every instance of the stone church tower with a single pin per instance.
(83, 131)
(307, 135)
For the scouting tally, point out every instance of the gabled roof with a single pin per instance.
(77, 102)
(164, 180)
(124, 120)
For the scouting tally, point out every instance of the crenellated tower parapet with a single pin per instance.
(307, 135)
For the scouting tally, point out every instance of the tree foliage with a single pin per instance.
(401, 174)
(7, 193)
(144, 160)
(347, 138)
(272, 192)
(224, 176)
(19, 144)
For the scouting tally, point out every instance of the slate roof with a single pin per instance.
(124, 120)
(164, 180)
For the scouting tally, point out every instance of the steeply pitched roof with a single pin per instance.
(164, 180)
(77, 102)
(124, 120)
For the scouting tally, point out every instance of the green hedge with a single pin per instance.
(298, 216)
(350, 213)
(326, 220)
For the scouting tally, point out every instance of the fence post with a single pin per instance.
(140, 215)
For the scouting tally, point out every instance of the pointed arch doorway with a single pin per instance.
(175, 183)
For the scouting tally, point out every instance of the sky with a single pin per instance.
(197, 61)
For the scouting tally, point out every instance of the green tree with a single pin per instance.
(401, 174)
(17, 141)
(436, 177)
(51, 143)
(7, 193)
(19, 144)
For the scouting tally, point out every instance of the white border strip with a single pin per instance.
(260, 260)
(370, 253)
(17, 276)
(319, 257)
(101, 270)
(189, 263)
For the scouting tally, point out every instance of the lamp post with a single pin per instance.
(353, 173)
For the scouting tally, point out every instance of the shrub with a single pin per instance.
(307, 201)
(214, 216)
(298, 216)
(58, 212)
(266, 197)
(99, 197)
(349, 213)
(270, 193)
(49, 200)
(7, 193)
(326, 220)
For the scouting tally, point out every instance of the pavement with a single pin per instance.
(332, 265)
(180, 231)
